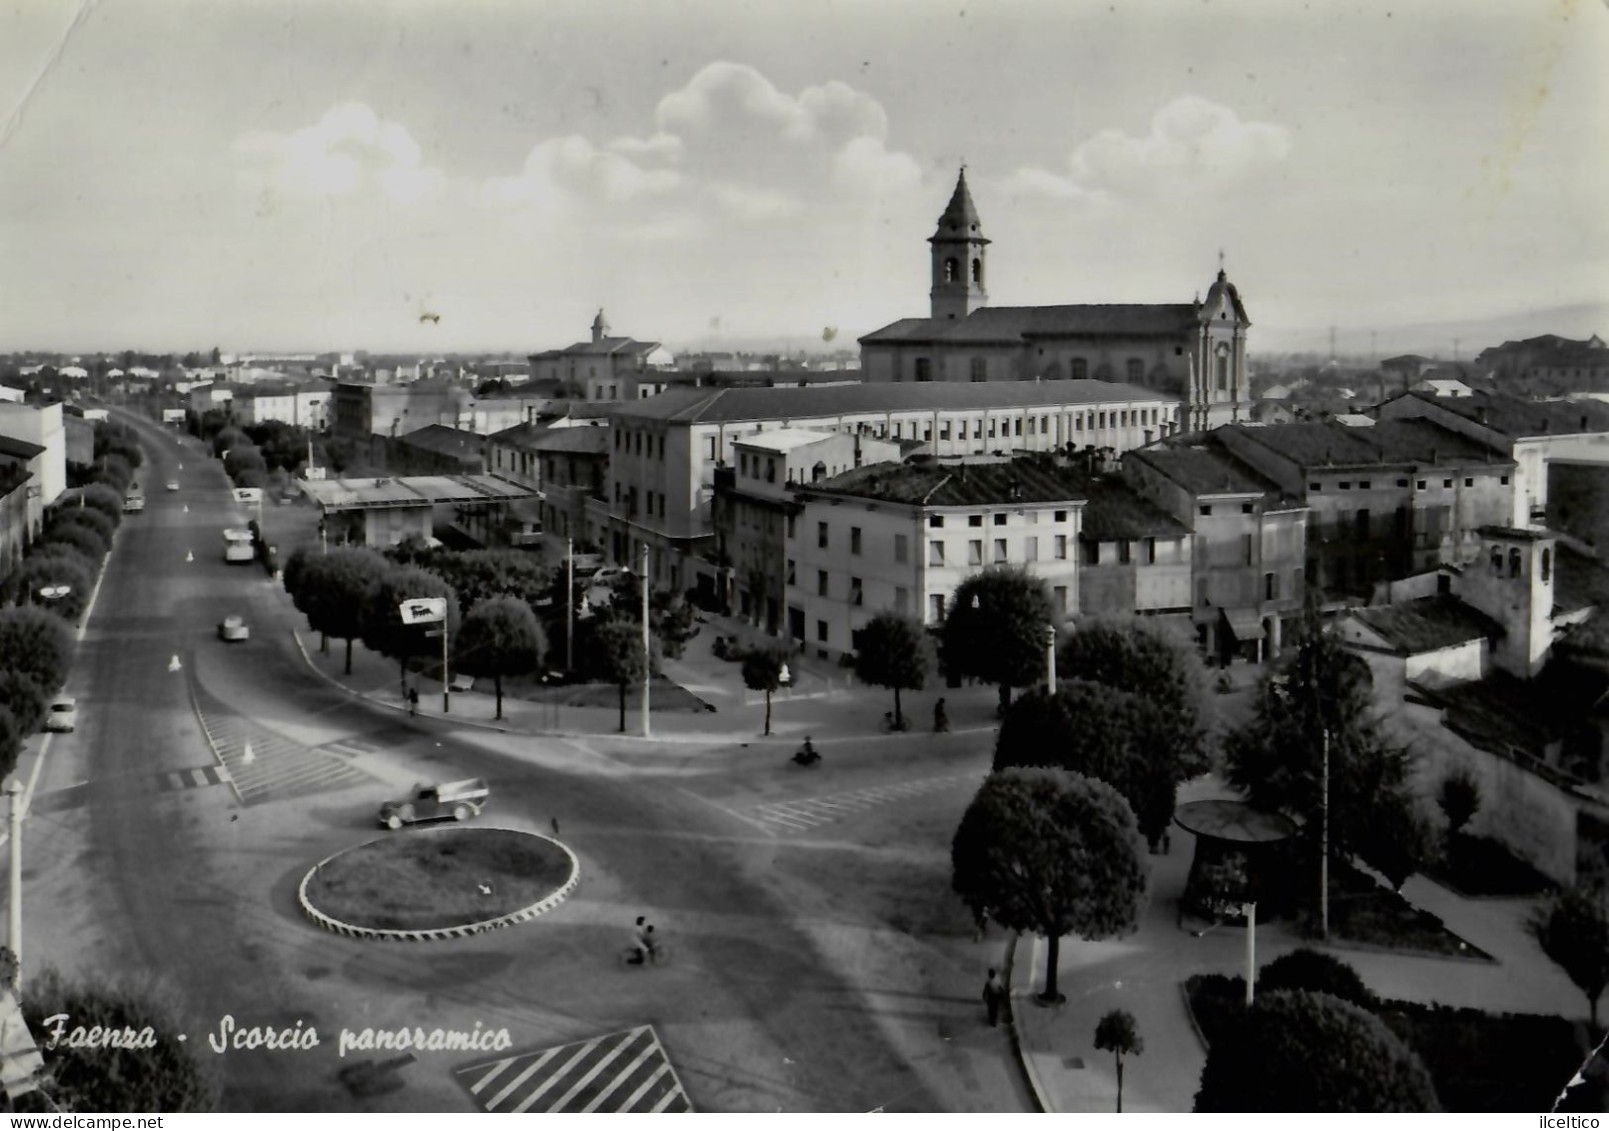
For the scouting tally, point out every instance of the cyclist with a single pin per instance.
(641, 941)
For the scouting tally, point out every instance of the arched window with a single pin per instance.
(1547, 565)
(1513, 563)
(977, 272)
(1497, 560)
(818, 473)
(951, 270)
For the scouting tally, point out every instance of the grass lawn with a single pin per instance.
(1477, 865)
(1364, 911)
(663, 694)
(424, 879)
(1479, 1061)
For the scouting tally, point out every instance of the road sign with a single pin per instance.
(248, 494)
(424, 610)
(626, 1071)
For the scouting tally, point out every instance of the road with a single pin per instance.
(818, 960)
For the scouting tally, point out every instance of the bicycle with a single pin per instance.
(656, 956)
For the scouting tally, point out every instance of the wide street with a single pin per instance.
(818, 961)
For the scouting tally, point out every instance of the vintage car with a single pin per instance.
(458, 800)
(62, 715)
(233, 629)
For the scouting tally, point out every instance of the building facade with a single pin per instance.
(605, 368)
(1194, 353)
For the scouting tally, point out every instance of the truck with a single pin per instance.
(458, 800)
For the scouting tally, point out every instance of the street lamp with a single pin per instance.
(1050, 659)
(53, 592)
(14, 919)
(647, 652)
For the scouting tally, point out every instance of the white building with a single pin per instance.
(42, 426)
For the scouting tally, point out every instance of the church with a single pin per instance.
(1195, 351)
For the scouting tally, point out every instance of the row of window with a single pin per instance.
(1077, 369)
(628, 496)
(639, 442)
(1419, 485)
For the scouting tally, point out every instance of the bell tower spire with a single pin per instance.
(959, 256)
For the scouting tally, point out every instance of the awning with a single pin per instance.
(1245, 624)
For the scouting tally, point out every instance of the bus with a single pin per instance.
(237, 546)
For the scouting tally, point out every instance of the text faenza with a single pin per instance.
(96, 1036)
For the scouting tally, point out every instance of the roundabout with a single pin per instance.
(443, 883)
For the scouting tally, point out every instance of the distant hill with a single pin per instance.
(1435, 339)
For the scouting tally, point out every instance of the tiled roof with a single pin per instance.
(1579, 581)
(445, 440)
(957, 485)
(1311, 445)
(1414, 627)
(603, 347)
(1015, 324)
(586, 439)
(1422, 441)
(1516, 418)
(719, 405)
(1202, 467)
(1115, 512)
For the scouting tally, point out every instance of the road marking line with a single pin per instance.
(537, 1092)
(558, 1104)
(490, 1076)
(642, 1089)
(530, 1070)
(622, 1077)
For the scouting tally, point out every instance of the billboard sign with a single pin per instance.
(424, 610)
(249, 495)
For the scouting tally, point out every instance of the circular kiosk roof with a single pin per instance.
(1233, 821)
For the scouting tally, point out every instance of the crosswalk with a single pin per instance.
(813, 812)
(129, 786)
(264, 766)
(621, 1072)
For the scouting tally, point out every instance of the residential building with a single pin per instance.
(1531, 433)
(16, 529)
(39, 426)
(1250, 543)
(606, 368)
(1386, 501)
(754, 508)
(664, 451)
(574, 465)
(1134, 557)
(1550, 364)
(437, 450)
(1194, 353)
(903, 537)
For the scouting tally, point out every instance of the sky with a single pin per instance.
(256, 175)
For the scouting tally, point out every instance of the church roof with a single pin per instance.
(1221, 290)
(604, 346)
(1016, 324)
(960, 215)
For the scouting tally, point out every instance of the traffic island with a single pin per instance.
(429, 884)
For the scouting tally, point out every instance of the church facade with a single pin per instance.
(1193, 351)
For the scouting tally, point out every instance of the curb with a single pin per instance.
(436, 934)
(1013, 995)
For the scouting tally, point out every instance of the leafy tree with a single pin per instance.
(227, 439)
(762, 671)
(100, 497)
(1315, 972)
(113, 471)
(478, 575)
(1116, 1033)
(1322, 697)
(1148, 659)
(334, 590)
(167, 1077)
(1460, 799)
(38, 645)
(89, 518)
(21, 694)
(614, 654)
(995, 630)
(1297, 1051)
(12, 735)
(1102, 732)
(1573, 930)
(41, 570)
(500, 637)
(896, 652)
(383, 630)
(80, 538)
(1396, 840)
(1050, 852)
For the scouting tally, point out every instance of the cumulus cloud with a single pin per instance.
(562, 171)
(348, 150)
(1193, 145)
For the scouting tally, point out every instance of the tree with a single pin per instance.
(383, 627)
(1321, 697)
(1297, 1051)
(1315, 972)
(896, 652)
(1148, 659)
(995, 630)
(36, 644)
(80, 538)
(762, 671)
(499, 637)
(39, 571)
(1116, 1034)
(1573, 930)
(101, 497)
(164, 1077)
(1051, 852)
(1396, 840)
(21, 694)
(1460, 799)
(334, 591)
(615, 655)
(89, 518)
(12, 735)
(1102, 732)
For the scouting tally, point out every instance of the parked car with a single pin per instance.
(233, 629)
(173, 484)
(63, 714)
(459, 800)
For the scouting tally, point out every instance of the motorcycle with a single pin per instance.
(806, 757)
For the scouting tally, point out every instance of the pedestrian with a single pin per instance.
(994, 996)
(941, 720)
(413, 700)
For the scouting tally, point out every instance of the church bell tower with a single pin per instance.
(959, 257)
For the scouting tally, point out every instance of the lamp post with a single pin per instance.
(569, 606)
(14, 918)
(647, 653)
(1250, 910)
(53, 593)
(1050, 659)
(1324, 843)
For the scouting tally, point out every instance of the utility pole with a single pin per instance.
(14, 918)
(1324, 842)
(569, 605)
(1050, 659)
(647, 653)
(1250, 910)
(446, 677)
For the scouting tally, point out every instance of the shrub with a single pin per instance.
(99, 496)
(87, 517)
(1316, 972)
(80, 538)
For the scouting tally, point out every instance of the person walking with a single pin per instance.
(413, 701)
(994, 996)
(941, 720)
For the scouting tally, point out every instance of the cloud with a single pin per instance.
(348, 150)
(565, 172)
(1194, 145)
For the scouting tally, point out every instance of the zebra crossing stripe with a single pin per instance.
(592, 1075)
(530, 1071)
(642, 1090)
(621, 1078)
(623, 1071)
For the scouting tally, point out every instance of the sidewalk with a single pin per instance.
(1144, 974)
